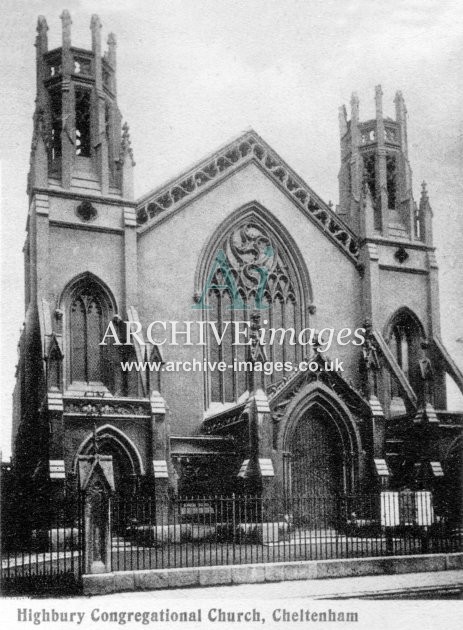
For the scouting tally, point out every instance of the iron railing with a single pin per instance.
(44, 553)
(217, 530)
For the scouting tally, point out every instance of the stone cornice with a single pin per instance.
(70, 194)
(165, 201)
(379, 240)
(88, 227)
(225, 419)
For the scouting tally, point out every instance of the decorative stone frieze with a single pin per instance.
(105, 408)
(250, 147)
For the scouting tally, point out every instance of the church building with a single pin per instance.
(239, 237)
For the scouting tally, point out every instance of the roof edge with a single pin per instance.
(248, 147)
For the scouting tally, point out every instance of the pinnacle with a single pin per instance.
(66, 17)
(424, 190)
(42, 24)
(95, 22)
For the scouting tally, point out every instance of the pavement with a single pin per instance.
(435, 585)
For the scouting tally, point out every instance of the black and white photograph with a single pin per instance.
(231, 295)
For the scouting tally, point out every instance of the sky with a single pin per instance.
(193, 74)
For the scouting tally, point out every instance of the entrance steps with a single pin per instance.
(119, 543)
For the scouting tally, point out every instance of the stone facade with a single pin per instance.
(94, 255)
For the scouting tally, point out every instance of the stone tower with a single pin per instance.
(374, 163)
(77, 141)
(400, 300)
(81, 239)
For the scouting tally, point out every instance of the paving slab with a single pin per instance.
(316, 589)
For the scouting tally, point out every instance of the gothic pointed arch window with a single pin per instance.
(268, 275)
(89, 311)
(404, 337)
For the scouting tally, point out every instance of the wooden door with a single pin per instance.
(317, 468)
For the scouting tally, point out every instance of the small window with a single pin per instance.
(107, 121)
(83, 135)
(391, 181)
(369, 173)
(56, 122)
(404, 342)
(400, 345)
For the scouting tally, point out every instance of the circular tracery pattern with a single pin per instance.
(264, 278)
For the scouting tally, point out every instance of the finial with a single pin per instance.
(42, 26)
(400, 110)
(125, 143)
(425, 212)
(111, 55)
(125, 135)
(342, 116)
(95, 22)
(424, 191)
(41, 41)
(379, 100)
(66, 18)
(354, 106)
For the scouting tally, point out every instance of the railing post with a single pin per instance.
(234, 525)
(97, 484)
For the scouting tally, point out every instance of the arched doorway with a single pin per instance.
(317, 461)
(127, 463)
(317, 469)
(322, 447)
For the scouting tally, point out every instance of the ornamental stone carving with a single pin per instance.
(247, 148)
(250, 253)
(86, 211)
(105, 409)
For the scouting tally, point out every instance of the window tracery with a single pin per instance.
(87, 329)
(88, 313)
(56, 122)
(391, 181)
(404, 339)
(83, 144)
(369, 170)
(264, 279)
